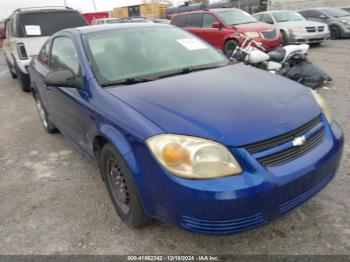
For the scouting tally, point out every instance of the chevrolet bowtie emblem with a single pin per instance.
(299, 141)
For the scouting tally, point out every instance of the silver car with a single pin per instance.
(337, 19)
(294, 28)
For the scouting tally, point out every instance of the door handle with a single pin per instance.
(47, 87)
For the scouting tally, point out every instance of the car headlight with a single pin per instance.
(323, 104)
(344, 22)
(193, 157)
(298, 29)
(251, 34)
(326, 28)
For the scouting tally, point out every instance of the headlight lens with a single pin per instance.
(193, 157)
(298, 29)
(323, 104)
(326, 28)
(251, 34)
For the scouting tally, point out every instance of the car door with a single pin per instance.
(68, 105)
(41, 70)
(214, 36)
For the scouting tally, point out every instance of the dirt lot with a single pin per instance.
(52, 200)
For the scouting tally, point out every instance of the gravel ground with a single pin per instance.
(52, 200)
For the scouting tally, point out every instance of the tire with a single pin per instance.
(13, 74)
(121, 188)
(230, 46)
(48, 125)
(335, 32)
(24, 79)
(284, 38)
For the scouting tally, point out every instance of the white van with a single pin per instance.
(27, 29)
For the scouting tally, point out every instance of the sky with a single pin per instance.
(7, 6)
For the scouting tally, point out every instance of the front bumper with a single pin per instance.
(234, 204)
(308, 38)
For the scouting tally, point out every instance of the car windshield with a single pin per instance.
(48, 23)
(288, 16)
(111, 21)
(127, 56)
(236, 17)
(336, 12)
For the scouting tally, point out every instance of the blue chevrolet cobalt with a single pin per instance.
(178, 132)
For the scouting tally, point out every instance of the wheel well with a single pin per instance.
(98, 144)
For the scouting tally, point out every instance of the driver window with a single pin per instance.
(64, 56)
(208, 20)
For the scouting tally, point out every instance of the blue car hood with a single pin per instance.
(234, 105)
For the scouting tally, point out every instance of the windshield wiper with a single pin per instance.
(187, 70)
(244, 23)
(128, 81)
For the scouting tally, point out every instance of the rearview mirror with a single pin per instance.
(216, 25)
(322, 16)
(63, 78)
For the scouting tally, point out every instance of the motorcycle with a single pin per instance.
(290, 61)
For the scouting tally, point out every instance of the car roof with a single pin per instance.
(106, 18)
(214, 10)
(84, 30)
(43, 10)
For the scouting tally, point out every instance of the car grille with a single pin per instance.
(269, 35)
(311, 29)
(223, 226)
(320, 28)
(289, 154)
(301, 198)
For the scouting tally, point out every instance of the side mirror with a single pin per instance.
(217, 25)
(323, 17)
(63, 78)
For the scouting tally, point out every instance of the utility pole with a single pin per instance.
(65, 3)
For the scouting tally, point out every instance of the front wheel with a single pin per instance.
(335, 32)
(121, 188)
(230, 47)
(23, 78)
(10, 67)
(49, 127)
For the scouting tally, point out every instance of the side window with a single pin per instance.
(208, 20)
(194, 20)
(44, 55)
(305, 14)
(179, 20)
(314, 13)
(258, 17)
(64, 56)
(266, 18)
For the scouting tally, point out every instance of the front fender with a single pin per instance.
(116, 138)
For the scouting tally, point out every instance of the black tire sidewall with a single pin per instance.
(23, 78)
(336, 29)
(226, 46)
(51, 128)
(284, 38)
(13, 75)
(136, 216)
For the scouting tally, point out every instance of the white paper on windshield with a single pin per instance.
(192, 44)
(33, 30)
